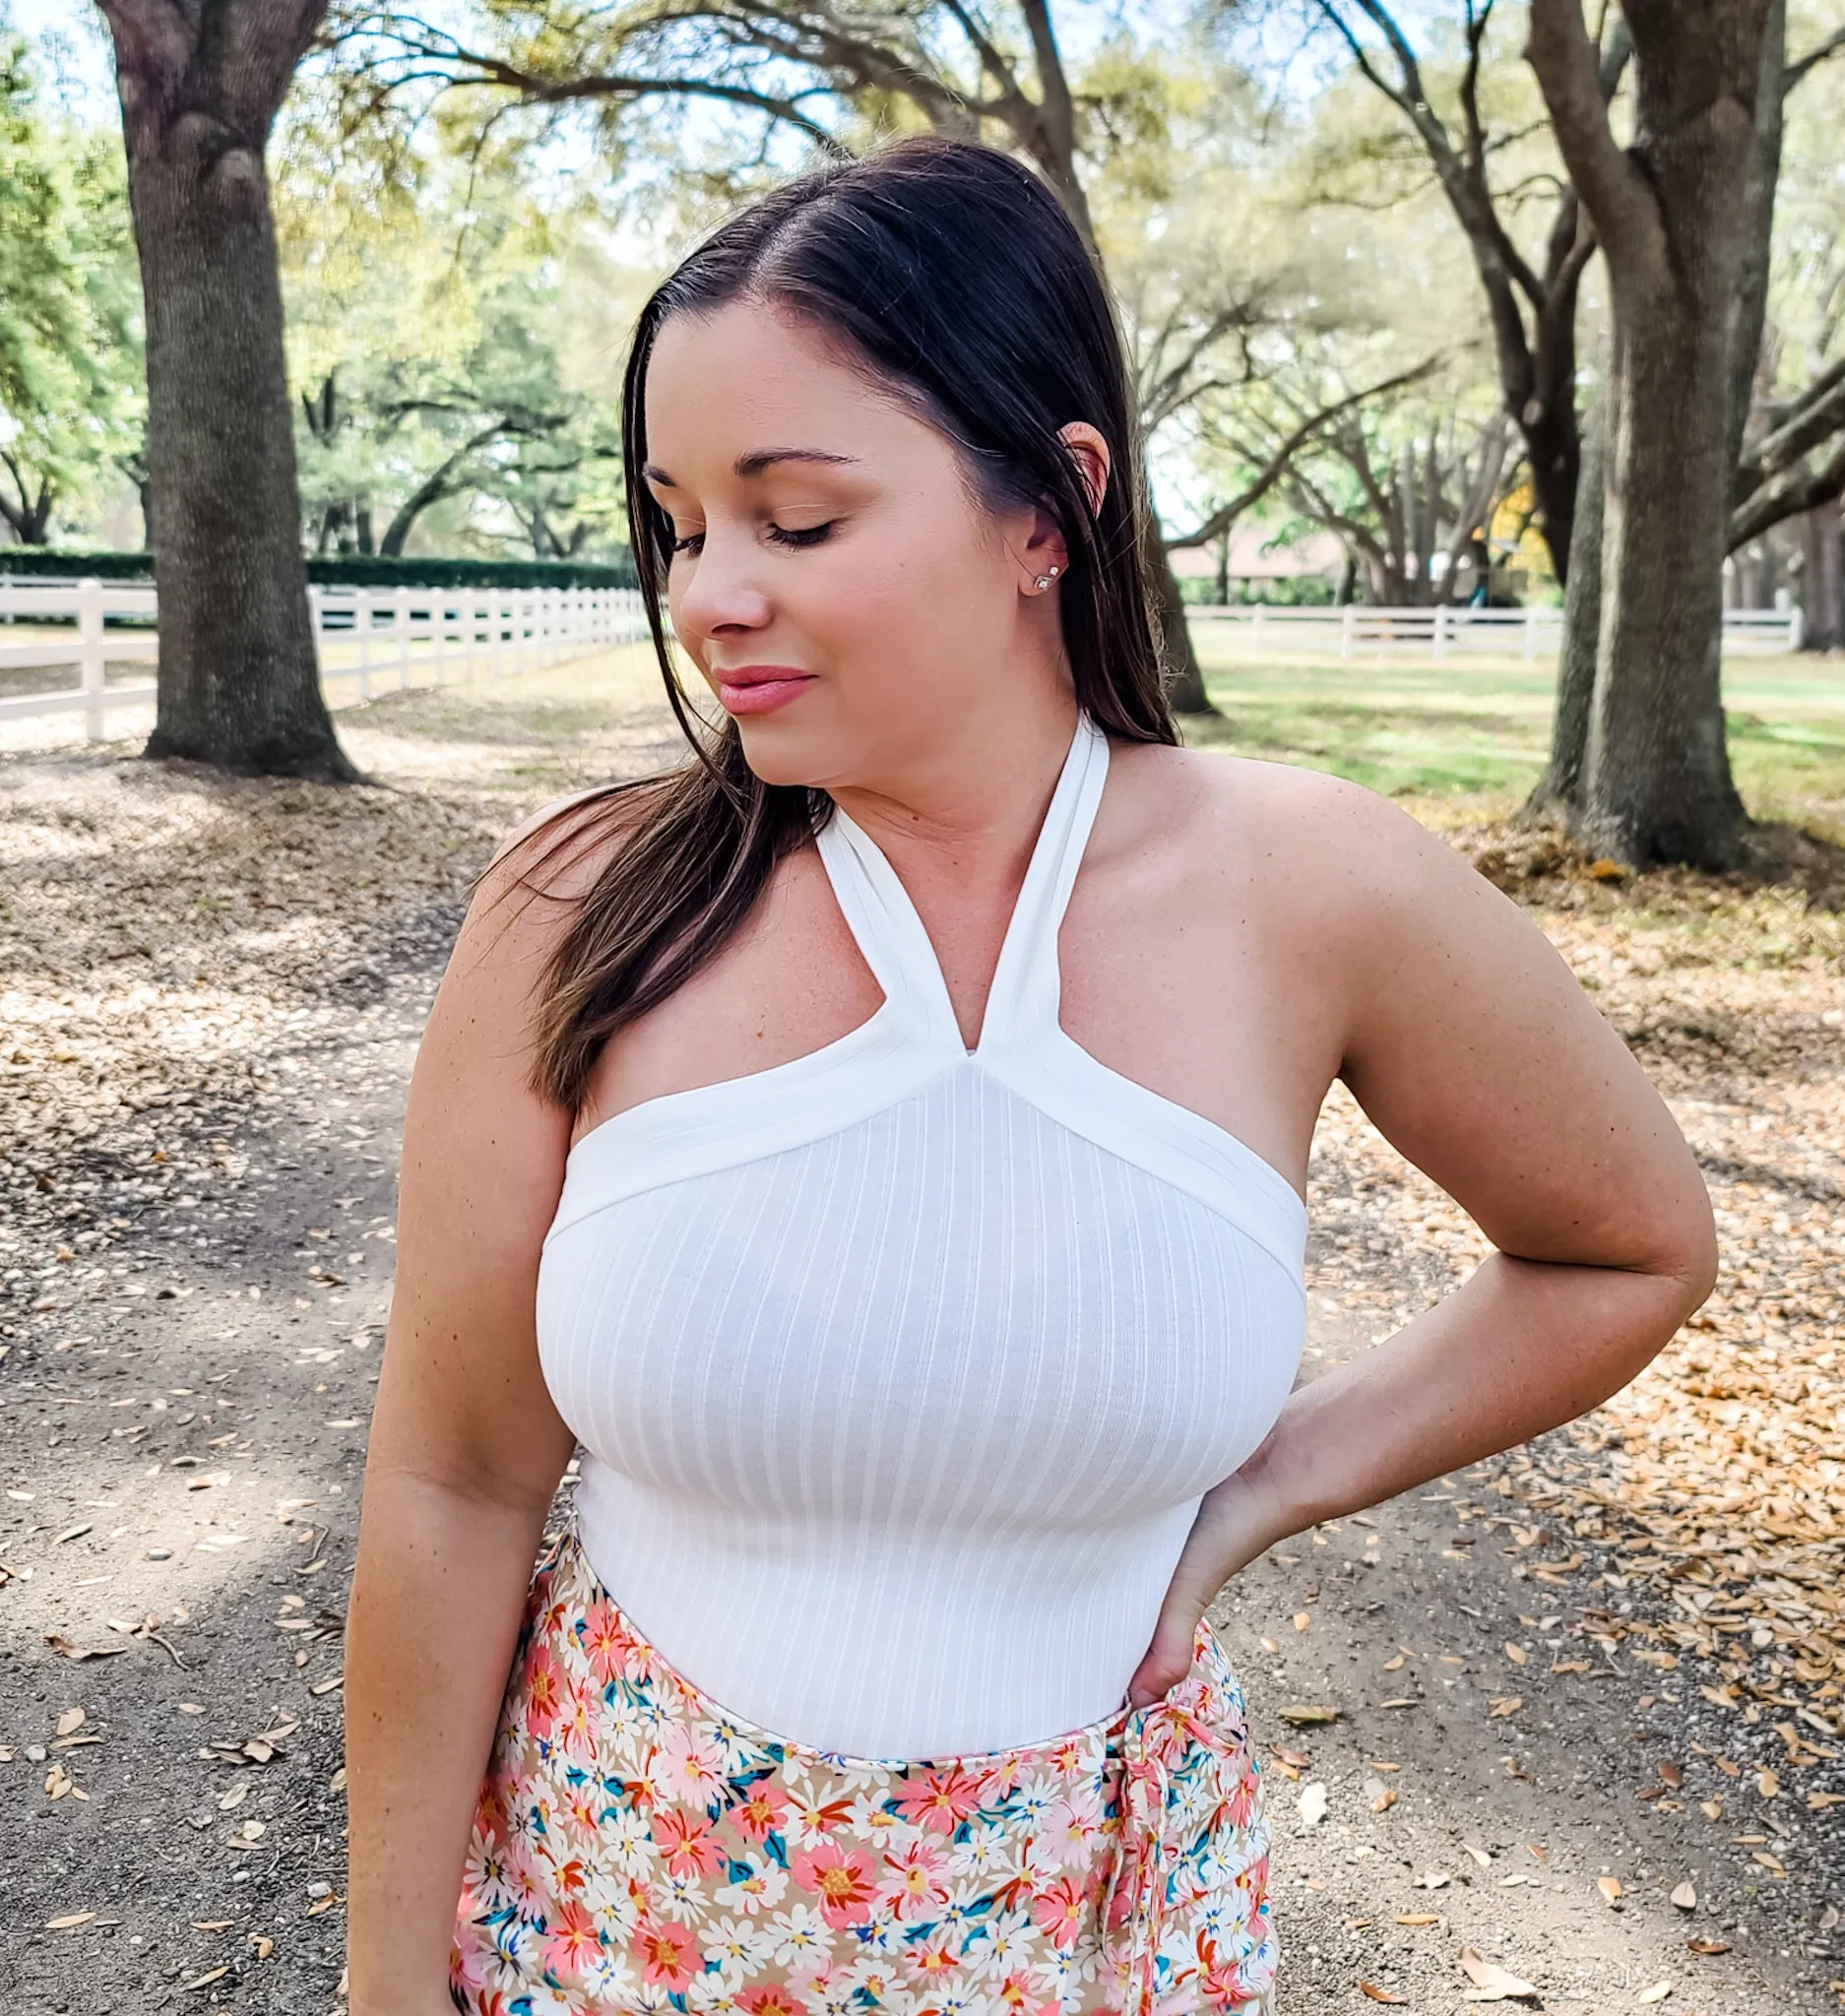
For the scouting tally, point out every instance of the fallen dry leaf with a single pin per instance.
(1478, 1854)
(1302, 1620)
(1516, 1654)
(1656, 1994)
(69, 1921)
(1509, 1704)
(72, 1718)
(1610, 1887)
(1708, 1946)
(1767, 1783)
(1418, 1917)
(1385, 1800)
(1685, 1896)
(1377, 1994)
(1307, 1714)
(1312, 1804)
(1490, 1981)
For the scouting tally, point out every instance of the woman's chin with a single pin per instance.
(782, 750)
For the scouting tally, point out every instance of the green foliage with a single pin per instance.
(70, 299)
(449, 341)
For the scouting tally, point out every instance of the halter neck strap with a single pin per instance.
(889, 933)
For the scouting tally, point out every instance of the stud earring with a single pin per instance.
(1044, 580)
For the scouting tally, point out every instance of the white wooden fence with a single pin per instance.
(382, 638)
(1357, 631)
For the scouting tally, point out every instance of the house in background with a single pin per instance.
(1247, 568)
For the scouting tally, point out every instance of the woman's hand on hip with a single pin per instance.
(1236, 1521)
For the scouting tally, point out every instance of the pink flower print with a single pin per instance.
(772, 2001)
(686, 1843)
(543, 1685)
(762, 1813)
(1067, 1758)
(571, 1942)
(1070, 1829)
(1059, 1909)
(690, 1771)
(1003, 1777)
(1220, 1982)
(612, 1652)
(576, 1724)
(940, 1800)
(1240, 1801)
(844, 1879)
(933, 1965)
(914, 1886)
(668, 1954)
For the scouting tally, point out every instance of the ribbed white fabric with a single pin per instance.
(899, 1368)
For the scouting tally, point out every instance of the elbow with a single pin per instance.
(1690, 1262)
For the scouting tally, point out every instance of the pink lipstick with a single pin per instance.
(760, 689)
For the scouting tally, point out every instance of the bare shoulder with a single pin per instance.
(524, 899)
(1330, 844)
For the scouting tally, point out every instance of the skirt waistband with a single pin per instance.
(1184, 1764)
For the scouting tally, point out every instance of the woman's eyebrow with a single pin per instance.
(754, 463)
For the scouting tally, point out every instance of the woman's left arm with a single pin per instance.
(1475, 1053)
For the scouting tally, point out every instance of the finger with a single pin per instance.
(1168, 1659)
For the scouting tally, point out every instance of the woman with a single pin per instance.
(882, 1143)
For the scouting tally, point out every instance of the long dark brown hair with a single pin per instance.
(957, 278)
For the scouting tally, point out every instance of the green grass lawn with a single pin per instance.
(1476, 729)
(1471, 733)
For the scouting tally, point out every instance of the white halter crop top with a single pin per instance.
(899, 1368)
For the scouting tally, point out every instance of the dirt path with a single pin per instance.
(185, 1398)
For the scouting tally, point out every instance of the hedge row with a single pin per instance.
(353, 572)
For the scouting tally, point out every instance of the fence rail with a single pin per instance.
(399, 638)
(1357, 631)
(381, 638)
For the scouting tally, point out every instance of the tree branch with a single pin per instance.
(1786, 495)
(1798, 70)
(1277, 464)
(1569, 74)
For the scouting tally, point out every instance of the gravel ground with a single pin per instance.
(1508, 1717)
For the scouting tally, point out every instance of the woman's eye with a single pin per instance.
(686, 544)
(803, 535)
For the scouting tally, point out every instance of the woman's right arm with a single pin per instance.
(464, 1456)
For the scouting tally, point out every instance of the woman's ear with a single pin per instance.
(1090, 452)
(1047, 556)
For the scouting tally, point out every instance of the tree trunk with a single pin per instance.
(238, 686)
(1822, 590)
(1557, 793)
(1656, 783)
(1671, 212)
(1184, 675)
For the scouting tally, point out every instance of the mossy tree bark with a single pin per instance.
(199, 86)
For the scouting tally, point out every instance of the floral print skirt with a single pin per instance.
(636, 1846)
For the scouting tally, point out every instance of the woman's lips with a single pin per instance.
(760, 689)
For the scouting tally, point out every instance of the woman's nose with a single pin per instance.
(721, 591)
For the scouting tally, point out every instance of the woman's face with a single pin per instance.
(840, 590)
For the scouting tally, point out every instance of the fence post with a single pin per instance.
(399, 622)
(316, 605)
(1348, 625)
(468, 622)
(1441, 629)
(91, 661)
(1796, 627)
(362, 624)
(438, 620)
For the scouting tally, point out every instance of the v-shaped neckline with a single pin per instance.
(889, 931)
